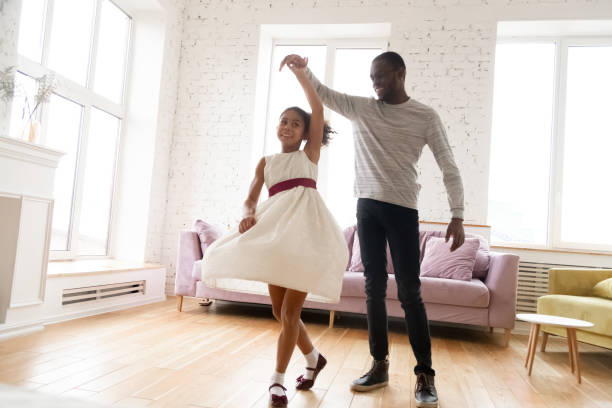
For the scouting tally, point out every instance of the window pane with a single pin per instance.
(71, 37)
(31, 28)
(285, 91)
(98, 182)
(351, 76)
(63, 131)
(112, 49)
(587, 167)
(519, 180)
(25, 90)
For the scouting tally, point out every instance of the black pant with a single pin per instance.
(377, 223)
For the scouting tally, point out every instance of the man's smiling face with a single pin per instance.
(387, 80)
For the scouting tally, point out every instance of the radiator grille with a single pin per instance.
(532, 283)
(100, 292)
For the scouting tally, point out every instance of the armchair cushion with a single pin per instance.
(592, 309)
(603, 289)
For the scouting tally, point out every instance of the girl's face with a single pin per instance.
(290, 129)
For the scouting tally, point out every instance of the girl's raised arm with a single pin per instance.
(297, 65)
(250, 204)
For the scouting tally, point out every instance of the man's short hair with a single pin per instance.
(392, 58)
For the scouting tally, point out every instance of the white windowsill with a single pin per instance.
(551, 250)
(95, 266)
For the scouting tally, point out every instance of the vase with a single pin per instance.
(31, 131)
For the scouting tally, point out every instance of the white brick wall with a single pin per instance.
(448, 46)
(165, 128)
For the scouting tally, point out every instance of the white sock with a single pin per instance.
(277, 378)
(312, 359)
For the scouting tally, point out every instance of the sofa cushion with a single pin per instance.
(440, 262)
(603, 289)
(592, 309)
(472, 293)
(481, 265)
(207, 233)
(356, 265)
(433, 290)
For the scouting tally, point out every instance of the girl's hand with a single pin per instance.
(246, 224)
(294, 62)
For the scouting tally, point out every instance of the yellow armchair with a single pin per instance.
(571, 295)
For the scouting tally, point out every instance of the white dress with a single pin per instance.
(296, 242)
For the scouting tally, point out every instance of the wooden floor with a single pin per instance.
(223, 356)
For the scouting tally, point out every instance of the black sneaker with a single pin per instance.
(377, 377)
(425, 393)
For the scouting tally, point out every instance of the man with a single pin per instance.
(389, 134)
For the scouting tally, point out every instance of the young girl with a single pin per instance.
(291, 241)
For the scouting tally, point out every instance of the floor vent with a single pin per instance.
(533, 283)
(100, 292)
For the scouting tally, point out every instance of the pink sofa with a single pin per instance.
(486, 301)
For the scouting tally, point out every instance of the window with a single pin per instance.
(551, 142)
(84, 44)
(343, 65)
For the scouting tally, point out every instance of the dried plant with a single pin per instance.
(46, 85)
(7, 84)
(9, 89)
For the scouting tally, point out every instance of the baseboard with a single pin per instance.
(21, 329)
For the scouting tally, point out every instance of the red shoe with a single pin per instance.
(303, 383)
(278, 400)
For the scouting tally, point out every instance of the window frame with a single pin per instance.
(84, 96)
(559, 97)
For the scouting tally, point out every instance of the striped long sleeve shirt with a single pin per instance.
(389, 140)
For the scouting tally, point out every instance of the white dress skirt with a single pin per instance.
(296, 242)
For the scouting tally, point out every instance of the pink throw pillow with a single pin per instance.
(483, 257)
(349, 235)
(440, 262)
(481, 266)
(208, 233)
(356, 265)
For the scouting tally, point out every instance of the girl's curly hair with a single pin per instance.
(327, 130)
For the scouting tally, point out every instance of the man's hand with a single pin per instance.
(455, 230)
(294, 62)
(246, 224)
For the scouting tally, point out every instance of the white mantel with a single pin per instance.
(27, 168)
(27, 174)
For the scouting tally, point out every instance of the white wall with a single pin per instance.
(9, 33)
(448, 46)
(165, 128)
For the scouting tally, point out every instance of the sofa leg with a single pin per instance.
(332, 314)
(205, 302)
(180, 303)
(507, 337)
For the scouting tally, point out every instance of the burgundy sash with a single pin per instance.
(289, 184)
